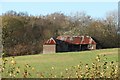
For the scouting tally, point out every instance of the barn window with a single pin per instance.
(89, 46)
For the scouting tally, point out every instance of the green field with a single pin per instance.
(60, 61)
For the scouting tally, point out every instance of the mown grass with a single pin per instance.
(44, 63)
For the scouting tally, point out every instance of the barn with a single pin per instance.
(69, 44)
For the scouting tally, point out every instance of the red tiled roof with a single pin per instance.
(50, 41)
(72, 40)
(93, 42)
(86, 40)
(77, 39)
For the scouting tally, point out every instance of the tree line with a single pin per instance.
(24, 34)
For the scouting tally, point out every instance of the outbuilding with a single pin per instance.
(69, 44)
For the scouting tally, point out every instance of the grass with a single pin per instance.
(60, 61)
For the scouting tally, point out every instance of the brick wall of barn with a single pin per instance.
(49, 49)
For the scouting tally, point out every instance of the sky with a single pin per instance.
(94, 9)
(59, 0)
